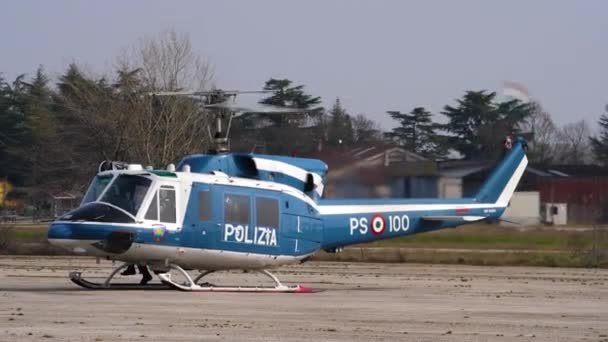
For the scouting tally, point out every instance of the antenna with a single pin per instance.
(224, 101)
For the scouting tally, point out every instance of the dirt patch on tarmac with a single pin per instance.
(361, 302)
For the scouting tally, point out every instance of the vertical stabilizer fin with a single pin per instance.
(501, 184)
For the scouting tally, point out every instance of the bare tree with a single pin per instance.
(169, 64)
(115, 117)
(573, 146)
(365, 130)
(544, 135)
(166, 128)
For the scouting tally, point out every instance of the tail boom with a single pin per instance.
(349, 222)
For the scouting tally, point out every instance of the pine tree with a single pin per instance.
(84, 108)
(15, 133)
(599, 143)
(12, 132)
(478, 125)
(44, 157)
(286, 95)
(340, 128)
(418, 133)
(280, 133)
(7, 125)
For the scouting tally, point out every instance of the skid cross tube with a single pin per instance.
(116, 270)
(203, 274)
(191, 285)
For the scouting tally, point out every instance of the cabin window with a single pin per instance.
(204, 205)
(267, 212)
(236, 209)
(166, 204)
(152, 213)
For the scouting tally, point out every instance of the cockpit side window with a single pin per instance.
(152, 213)
(98, 185)
(127, 192)
(166, 204)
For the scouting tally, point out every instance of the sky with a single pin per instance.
(374, 55)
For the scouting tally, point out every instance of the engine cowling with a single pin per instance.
(307, 175)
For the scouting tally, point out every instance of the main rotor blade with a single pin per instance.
(209, 92)
(256, 108)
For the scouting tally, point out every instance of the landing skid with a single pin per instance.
(189, 285)
(76, 278)
(192, 285)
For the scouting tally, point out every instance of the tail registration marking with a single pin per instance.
(396, 223)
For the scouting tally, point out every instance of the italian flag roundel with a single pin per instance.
(378, 224)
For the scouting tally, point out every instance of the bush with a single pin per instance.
(6, 236)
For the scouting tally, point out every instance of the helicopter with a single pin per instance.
(225, 211)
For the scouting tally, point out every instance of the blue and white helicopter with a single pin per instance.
(226, 211)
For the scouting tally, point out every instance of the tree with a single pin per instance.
(43, 157)
(286, 95)
(340, 127)
(166, 128)
(281, 133)
(478, 124)
(46, 132)
(365, 131)
(12, 130)
(418, 133)
(599, 143)
(168, 63)
(574, 143)
(544, 136)
(88, 121)
(32, 152)
(119, 120)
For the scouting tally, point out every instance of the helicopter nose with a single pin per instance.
(76, 231)
(83, 238)
(73, 237)
(63, 235)
(59, 231)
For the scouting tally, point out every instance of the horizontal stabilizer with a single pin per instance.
(467, 218)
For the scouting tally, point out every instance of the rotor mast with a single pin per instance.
(223, 103)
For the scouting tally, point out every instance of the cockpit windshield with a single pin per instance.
(127, 192)
(98, 185)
